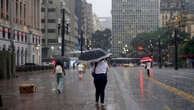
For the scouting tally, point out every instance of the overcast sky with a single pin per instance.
(102, 8)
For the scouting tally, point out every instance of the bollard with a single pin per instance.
(1, 102)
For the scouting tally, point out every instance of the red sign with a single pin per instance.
(140, 48)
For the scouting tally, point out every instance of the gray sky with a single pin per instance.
(102, 8)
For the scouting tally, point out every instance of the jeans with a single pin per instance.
(60, 81)
(100, 85)
(148, 72)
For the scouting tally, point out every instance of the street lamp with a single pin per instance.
(64, 28)
(159, 52)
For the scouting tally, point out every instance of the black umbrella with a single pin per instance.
(94, 55)
(61, 59)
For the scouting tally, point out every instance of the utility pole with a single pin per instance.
(63, 32)
(176, 51)
(159, 46)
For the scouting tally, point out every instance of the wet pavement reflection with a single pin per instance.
(127, 89)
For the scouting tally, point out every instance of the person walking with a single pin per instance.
(80, 70)
(60, 72)
(148, 67)
(99, 74)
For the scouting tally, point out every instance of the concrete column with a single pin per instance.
(6, 33)
(15, 12)
(4, 8)
(33, 8)
(18, 16)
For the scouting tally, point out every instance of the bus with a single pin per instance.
(125, 61)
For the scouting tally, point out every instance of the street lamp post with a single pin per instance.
(63, 31)
(176, 47)
(159, 52)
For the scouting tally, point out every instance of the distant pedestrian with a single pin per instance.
(99, 73)
(60, 72)
(148, 67)
(80, 70)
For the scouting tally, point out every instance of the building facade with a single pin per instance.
(84, 14)
(130, 17)
(97, 24)
(172, 8)
(27, 33)
(51, 27)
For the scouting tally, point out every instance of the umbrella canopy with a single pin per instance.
(145, 59)
(94, 55)
(61, 60)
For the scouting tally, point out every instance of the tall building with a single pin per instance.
(51, 27)
(130, 17)
(97, 24)
(106, 22)
(84, 14)
(173, 8)
(27, 33)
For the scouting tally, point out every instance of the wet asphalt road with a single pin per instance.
(166, 89)
(127, 89)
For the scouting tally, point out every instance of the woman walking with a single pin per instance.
(59, 71)
(99, 73)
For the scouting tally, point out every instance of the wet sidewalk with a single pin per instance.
(77, 95)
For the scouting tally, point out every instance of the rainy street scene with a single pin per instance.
(96, 55)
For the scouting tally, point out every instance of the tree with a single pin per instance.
(102, 39)
(152, 38)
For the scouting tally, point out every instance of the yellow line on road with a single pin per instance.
(167, 108)
(154, 97)
(187, 96)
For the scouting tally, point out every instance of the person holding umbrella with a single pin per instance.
(59, 71)
(99, 74)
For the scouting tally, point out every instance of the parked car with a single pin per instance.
(168, 64)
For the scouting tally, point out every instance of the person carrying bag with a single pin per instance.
(99, 74)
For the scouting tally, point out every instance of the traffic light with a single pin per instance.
(67, 28)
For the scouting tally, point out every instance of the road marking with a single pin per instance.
(167, 108)
(154, 97)
(186, 96)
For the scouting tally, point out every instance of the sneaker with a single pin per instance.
(58, 91)
(103, 105)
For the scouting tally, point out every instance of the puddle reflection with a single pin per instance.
(141, 83)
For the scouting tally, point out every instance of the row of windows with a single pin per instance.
(18, 36)
(49, 9)
(20, 11)
(49, 30)
(49, 20)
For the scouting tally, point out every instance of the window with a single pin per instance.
(51, 30)
(51, 9)
(50, 2)
(52, 41)
(18, 37)
(3, 32)
(43, 40)
(51, 20)
(43, 20)
(9, 34)
(1, 7)
(42, 9)
(43, 30)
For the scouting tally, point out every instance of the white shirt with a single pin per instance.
(102, 67)
(80, 67)
(59, 69)
(148, 65)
